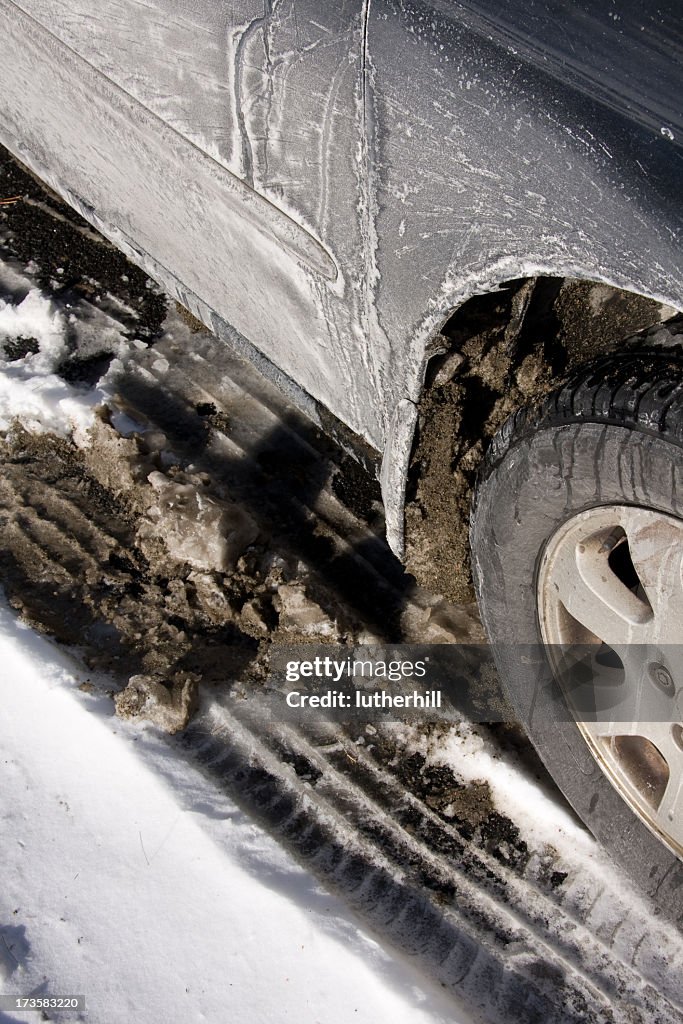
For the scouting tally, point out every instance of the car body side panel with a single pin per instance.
(483, 165)
(238, 179)
(268, 90)
(487, 165)
(626, 54)
(334, 179)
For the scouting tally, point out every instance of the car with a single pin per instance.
(450, 231)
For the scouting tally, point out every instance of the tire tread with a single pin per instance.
(642, 389)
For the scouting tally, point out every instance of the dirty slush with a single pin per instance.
(173, 564)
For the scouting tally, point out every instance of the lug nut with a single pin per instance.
(661, 677)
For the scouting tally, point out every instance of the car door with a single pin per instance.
(221, 144)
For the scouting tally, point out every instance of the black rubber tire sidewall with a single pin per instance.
(543, 480)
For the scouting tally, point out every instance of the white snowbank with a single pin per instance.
(29, 387)
(127, 878)
(35, 317)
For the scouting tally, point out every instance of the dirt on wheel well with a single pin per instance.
(498, 352)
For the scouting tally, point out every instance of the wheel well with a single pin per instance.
(495, 353)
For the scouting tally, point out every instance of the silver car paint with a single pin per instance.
(329, 181)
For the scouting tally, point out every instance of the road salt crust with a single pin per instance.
(128, 879)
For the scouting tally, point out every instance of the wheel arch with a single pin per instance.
(441, 335)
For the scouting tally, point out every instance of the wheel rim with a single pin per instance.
(610, 582)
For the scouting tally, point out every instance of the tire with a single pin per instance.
(607, 445)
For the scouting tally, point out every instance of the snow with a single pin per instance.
(540, 816)
(34, 316)
(29, 387)
(544, 822)
(129, 879)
